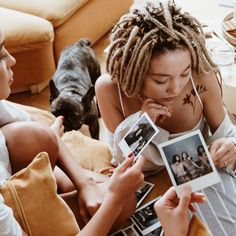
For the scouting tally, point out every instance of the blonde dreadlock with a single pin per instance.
(153, 29)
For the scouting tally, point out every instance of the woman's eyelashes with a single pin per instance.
(3, 53)
(161, 82)
(184, 76)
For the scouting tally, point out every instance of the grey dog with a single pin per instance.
(72, 87)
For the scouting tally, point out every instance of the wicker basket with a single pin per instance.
(225, 27)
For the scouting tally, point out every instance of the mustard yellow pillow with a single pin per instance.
(198, 228)
(32, 195)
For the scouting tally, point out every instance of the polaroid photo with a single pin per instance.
(145, 218)
(118, 233)
(188, 161)
(139, 136)
(143, 191)
(156, 232)
(129, 231)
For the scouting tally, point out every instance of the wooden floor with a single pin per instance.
(41, 100)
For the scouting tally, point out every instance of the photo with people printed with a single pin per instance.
(139, 135)
(187, 159)
(145, 217)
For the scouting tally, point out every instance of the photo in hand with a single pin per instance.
(145, 219)
(139, 136)
(188, 160)
(143, 191)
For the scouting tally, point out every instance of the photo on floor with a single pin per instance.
(145, 219)
(143, 191)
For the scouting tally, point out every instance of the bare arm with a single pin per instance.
(124, 182)
(212, 101)
(108, 101)
(223, 150)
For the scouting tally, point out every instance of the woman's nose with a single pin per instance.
(174, 87)
(11, 61)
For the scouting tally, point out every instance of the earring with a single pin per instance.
(141, 98)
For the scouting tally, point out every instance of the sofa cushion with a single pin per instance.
(23, 31)
(32, 195)
(91, 154)
(55, 11)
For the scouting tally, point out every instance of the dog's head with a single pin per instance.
(70, 105)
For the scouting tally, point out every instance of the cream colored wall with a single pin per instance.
(205, 10)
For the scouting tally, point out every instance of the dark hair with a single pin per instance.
(200, 149)
(174, 160)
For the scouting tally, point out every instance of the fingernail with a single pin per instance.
(130, 155)
(204, 198)
(62, 118)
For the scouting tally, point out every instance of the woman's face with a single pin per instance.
(201, 150)
(6, 74)
(184, 155)
(167, 76)
(177, 158)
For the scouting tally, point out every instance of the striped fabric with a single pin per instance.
(219, 211)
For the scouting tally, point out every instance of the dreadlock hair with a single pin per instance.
(148, 30)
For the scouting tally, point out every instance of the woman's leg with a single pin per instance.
(25, 140)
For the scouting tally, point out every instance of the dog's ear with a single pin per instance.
(53, 91)
(83, 42)
(88, 97)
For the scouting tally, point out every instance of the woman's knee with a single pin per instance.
(25, 140)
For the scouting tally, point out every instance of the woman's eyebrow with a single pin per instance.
(189, 66)
(163, 74)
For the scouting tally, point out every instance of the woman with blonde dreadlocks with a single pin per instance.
(157, 63)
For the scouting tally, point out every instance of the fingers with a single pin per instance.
(170, 194)
(198, 198)
(223, 152)
(218, 150)
(139, 163)
(185, 198)
(58, 126)
(126, 163)
(157, 112)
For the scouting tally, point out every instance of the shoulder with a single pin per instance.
(213, 107)
(104, 81)
(208, 85)
(104, 86)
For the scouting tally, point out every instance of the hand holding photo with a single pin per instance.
(188, 160)
(139, 136)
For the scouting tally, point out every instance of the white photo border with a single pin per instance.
(200, 182)
(151, 186)
(151, 228)
(124, 146)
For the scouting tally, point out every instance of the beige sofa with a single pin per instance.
(36, 32)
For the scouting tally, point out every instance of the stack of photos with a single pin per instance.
(139, 136)
(143, 191)
(145, 222)
(188, 161)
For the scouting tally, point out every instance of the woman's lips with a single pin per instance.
(170, 99)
